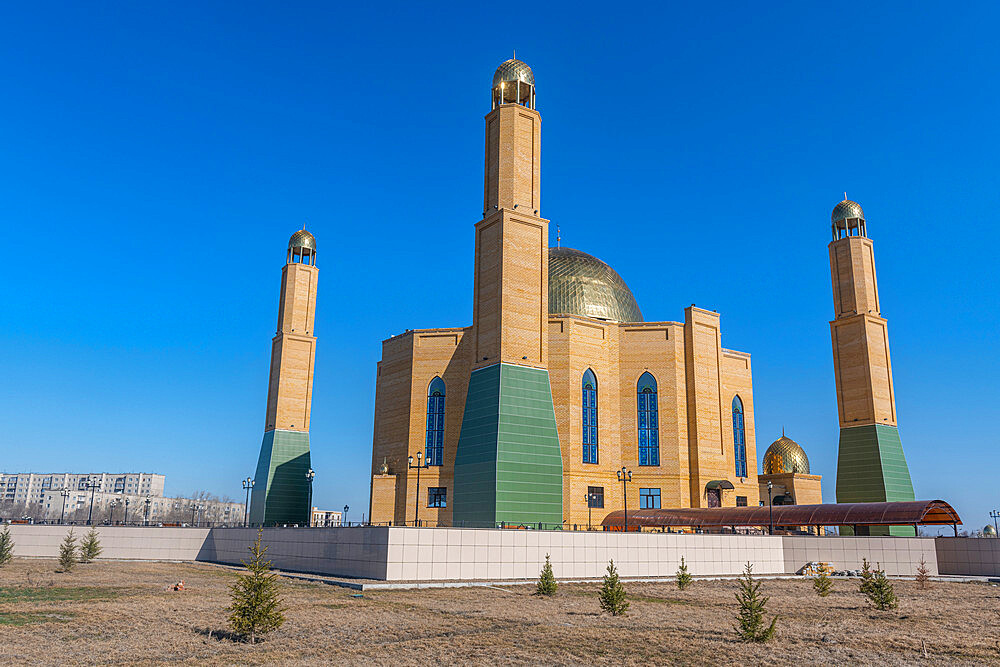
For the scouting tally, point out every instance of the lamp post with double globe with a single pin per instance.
(770, 508)
(624, 476)
(65, 496)
(247, 486)
(92, 485)
(416, 501)
(310, 476)
(127, 500)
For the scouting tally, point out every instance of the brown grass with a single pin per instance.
(115, 613)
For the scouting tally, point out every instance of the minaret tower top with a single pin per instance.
(848, 219)
(514, 83)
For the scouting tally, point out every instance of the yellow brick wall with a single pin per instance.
(293, 351)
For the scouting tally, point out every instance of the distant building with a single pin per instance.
(326, 518)
(29, 487)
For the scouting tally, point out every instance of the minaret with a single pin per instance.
(871, 466)
(281, 490)
(508, 412)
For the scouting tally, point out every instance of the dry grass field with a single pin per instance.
(120, 612)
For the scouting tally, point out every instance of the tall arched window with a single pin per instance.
(739, 438)
(589, 417)
(649, 440)
(435, 423)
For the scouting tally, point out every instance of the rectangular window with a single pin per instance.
(741, 501)
(437, 496)
(649, 499)
(595, 496)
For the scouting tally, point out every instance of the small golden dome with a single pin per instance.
(513, 70)
(302, 239)
(989, 531)
(846, 210)
(785, 455)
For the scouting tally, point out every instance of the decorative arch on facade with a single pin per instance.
(589, 405)
(647, 417)
(739, 438)
(435, 423)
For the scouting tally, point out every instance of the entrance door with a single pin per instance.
(715, 497)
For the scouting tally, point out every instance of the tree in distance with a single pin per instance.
(256, 607)
(547, 583)
(866, 577)
(613, 596)
(67, 552)
(6, 546)
(880, 594)
(750, 624)
(90, 546)
(684, 578)
(923, 574)
(822, 583)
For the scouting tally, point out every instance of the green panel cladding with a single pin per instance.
(871, 468)
(508, 465)
(281, 491)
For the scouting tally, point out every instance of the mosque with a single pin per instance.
(560, 398)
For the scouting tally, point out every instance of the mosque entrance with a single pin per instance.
(714, 497)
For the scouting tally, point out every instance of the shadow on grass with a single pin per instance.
(220, 635)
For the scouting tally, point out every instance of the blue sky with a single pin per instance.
(156, 157)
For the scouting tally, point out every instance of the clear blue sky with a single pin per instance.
(156, 157)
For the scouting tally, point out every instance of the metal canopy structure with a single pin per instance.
(913, 513)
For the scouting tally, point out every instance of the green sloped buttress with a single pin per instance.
(281, 491)
(871, 468)
(508, 465)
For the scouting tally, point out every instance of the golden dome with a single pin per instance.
(302, 239)
(989, 531)
(581, 284)
(785, 455)
(513, 70)
(846, 210)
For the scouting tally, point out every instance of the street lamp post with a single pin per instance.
(770, 508)
(590, 508)
(416, 501)
(65, 495)
(92, 485)
(993, 515)
(148, 501)
(624, 476)
(125, 522)
(247, 486)
(310, 475)
(346, 507)
(196, 514)
(111, 511)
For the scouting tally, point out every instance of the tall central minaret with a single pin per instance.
(871, 466)
(281, 489)
(509, 416)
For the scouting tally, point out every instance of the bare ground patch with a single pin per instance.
(120, 612)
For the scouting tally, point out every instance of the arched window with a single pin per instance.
(649, 440)
(739, 438)
(589, 417)
(435, 423)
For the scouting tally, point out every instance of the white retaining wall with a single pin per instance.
(439, 554)
(117, 542)
(968, 555)
(898, 556)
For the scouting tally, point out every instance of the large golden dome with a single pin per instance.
(580, 284)
(302, 239)
(785, 455)
(846, 210)
(513, 70)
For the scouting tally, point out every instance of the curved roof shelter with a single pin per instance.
(918, 512)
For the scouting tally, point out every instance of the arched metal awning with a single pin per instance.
(919, 512)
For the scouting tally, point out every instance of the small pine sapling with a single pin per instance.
(923, 575)
(750, 624)
(613, 596)
(547, 583)
(90, 546)
(256, 606)
(822, 583)
(6, 546)
(866, 577)
(67, 552)
(684, 578)
(880, 594)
